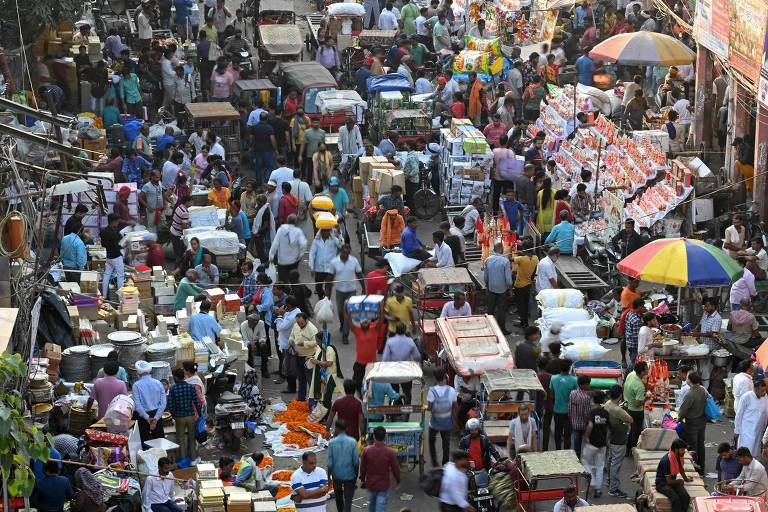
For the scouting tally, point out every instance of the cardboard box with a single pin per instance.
(52, 352)
(389, 177)
(162, 291)
(357, 184)
(164, 300)
(231, 303)
(189, 473)
(365, 167)
(357, 199)
(373, 189)
(377, 167)
(89, 312)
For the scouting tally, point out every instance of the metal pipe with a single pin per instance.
(54, 119)
(16, 132)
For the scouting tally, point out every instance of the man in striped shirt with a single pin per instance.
(310, 485)
(179, 223)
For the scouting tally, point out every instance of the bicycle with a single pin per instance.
(426, 203)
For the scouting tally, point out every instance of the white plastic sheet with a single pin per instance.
(400, 264)
(585, 351)
(564, 315)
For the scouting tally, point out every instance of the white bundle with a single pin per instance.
(346, 8)
(564, 315)
(585, 351)
(579, 329)
(560, 298)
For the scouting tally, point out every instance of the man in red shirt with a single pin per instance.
(349, 409)
(376, 280)
(377, 462)
(493, 131)
(367, 339)
(477, 445)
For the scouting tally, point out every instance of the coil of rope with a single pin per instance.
(26, 235)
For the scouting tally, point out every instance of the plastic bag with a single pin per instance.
(272, 272)
(484, 45)
(119, 414)
(400, 264)
(711, 410)
(324, 310)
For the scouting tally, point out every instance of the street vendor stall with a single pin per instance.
(466, 161)
(503, 392)
(220, 118)
(392, 108)
(406, 438)
(474, 344)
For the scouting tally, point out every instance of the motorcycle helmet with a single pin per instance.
(473, 424)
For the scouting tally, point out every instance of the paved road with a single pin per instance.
(408, 494)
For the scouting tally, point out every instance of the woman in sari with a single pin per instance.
(192, 258)
(545, 204)
(561, 204)
(200, 163)
(324, 371)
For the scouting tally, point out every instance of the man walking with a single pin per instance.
(498, 280)
(595, 440)
(618, 427)
(692, 414)
(113, 267)
(182, 404)
(343, 463)
(349, 409)
(442, 403)
(287, 248)
(346, 271)
(377, 462)
(560, 387)
(324, 249)
(634, 394)
(752, 418)
(454, 484)
(579, 406)
(149, 402)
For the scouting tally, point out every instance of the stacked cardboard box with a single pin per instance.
(164, 293)
(357, 192)
(215, 295)
(238, 499)
(129, 299)
(52, 352)
(210, 496)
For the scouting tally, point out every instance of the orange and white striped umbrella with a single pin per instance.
(643, 49)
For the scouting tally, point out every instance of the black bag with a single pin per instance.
(432, 481)
(290, 364)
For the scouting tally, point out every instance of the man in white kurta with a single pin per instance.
(752, 418)
(753, 479)
(742, 383)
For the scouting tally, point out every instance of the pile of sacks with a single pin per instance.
(564, 319)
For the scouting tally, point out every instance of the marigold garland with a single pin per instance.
(282, 475)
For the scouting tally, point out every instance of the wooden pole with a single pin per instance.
(94, 466)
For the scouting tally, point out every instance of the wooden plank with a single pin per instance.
(211, 111)
(576, 274)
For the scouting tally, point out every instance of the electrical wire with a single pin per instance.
(23, 243)
(24, 53)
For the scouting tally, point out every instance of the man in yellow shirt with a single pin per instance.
(399, 308)
(526, 268)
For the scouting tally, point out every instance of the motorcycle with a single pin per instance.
(480, 495)
(231, 412)
(246, 62)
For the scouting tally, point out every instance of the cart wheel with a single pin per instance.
(426, 203)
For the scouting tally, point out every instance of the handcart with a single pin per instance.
(546, 474)
(246, 92)
(272, 12)
(502, 393)
(221, 118)
(406, 438)
(434, 287)
(604, 374)
(473, 344)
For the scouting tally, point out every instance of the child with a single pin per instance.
(728, 468)
(512, 210)
(226, 466)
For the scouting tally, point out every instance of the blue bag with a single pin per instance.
(711, 410)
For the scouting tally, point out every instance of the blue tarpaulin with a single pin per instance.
(389, 82)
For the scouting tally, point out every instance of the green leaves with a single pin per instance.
(21, 442)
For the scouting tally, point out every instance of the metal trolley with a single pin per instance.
(406, 438)
(546, 474)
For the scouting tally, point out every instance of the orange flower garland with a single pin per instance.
(300, 439)
(283, 491)
(283, 475)
(296, 426)
(266, 461)
(297, 412)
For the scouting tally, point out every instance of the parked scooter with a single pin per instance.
(480, 495)
(231, 412)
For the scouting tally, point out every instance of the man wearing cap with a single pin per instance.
(122, 209)
(149, 403)
(338, 195)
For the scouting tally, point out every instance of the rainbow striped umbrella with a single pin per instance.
(643, 49)
(681, 262)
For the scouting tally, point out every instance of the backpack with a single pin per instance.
(432, 482)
